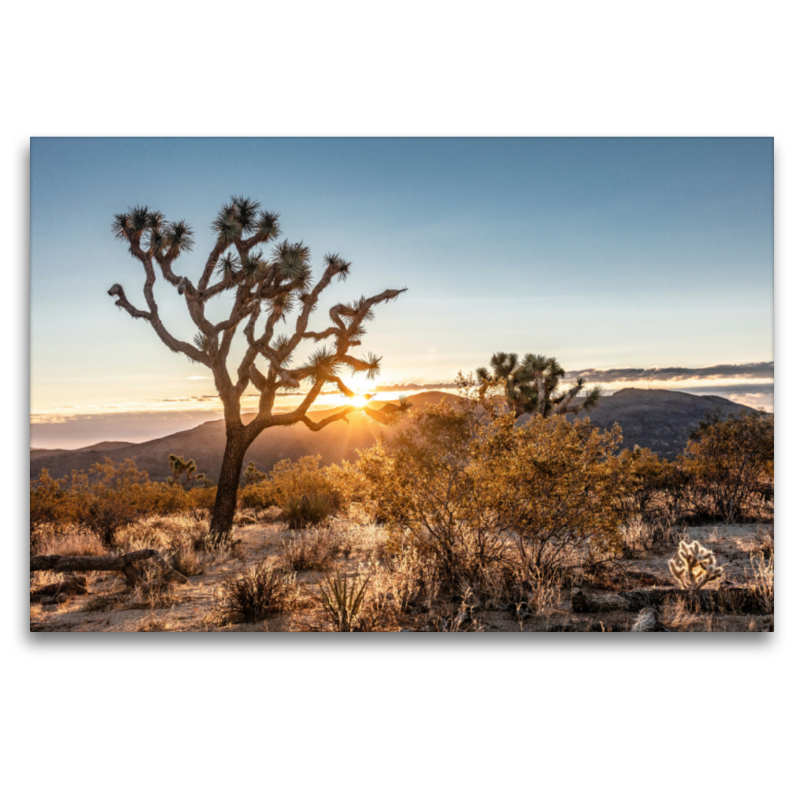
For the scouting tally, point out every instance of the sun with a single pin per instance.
(359, 400)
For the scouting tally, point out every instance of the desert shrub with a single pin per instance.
(473, 489)
(729, 461)
(312, 549)
(256, 594)
(401, 586)
(425, 484)
(201, 499)
(558, 486)
(257, 496)
(188, 561)
(765, 542)
(47, 496)
(104, 499)
(648, 534)
(308, 510)
(648, 479)
(291, 479)
(348, 484)
(341, 598)
(301, 489)
(761, 579)
(109, 497)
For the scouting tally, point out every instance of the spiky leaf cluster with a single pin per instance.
(142, 227)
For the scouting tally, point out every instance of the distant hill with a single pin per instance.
(206, 445)
(658, 419)
(40, 452)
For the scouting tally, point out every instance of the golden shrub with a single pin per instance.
(473, 489)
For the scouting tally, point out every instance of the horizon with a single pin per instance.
(105, 428)
(612, 255)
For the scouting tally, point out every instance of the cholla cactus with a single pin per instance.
(694, 566)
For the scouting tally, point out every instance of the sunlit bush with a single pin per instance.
(302, 489)
(729, 462)
(473, 490)
(105, 499)
(47, 500)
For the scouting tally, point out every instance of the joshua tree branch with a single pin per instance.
(318, 426)
(152, 317)
(122, 302)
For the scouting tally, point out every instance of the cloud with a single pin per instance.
(763, 370)
(414, 387)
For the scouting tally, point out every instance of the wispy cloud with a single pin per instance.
(761, 370)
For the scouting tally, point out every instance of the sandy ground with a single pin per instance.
(110, 606)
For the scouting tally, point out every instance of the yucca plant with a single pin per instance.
(341, 598)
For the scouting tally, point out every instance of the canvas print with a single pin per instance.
(516, 385)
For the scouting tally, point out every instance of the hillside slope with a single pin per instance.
(658, 418)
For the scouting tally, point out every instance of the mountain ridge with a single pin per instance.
(660, 419)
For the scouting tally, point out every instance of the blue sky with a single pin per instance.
(607, 253)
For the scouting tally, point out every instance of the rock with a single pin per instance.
(647, 622)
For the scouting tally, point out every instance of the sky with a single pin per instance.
(635, 262)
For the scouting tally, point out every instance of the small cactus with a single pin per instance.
(694, 566)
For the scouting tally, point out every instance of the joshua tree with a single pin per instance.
(531, 385)
(264, 290)
(181, 467)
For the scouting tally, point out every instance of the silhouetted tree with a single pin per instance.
(531, 385)
(264, 290)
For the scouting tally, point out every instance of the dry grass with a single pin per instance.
(676, 616)
(256, 594)
(310, 550)
(762, 579)
(166, 533)
(151, 623)
(254, 587)
(189, 562)
(68, 541)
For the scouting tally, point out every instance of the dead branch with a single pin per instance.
(731, 600)
(125, 563)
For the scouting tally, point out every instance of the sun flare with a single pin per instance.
(359, 400)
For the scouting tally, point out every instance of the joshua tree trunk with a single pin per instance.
(236, 445)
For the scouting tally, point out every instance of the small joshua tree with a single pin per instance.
(694, 566)
(263, 290)
(531, 385)
(181, 467)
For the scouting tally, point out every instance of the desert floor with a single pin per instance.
(107, 604)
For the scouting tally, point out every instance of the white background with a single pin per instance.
(383, 716)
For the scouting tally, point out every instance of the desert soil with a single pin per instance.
(110, 606)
